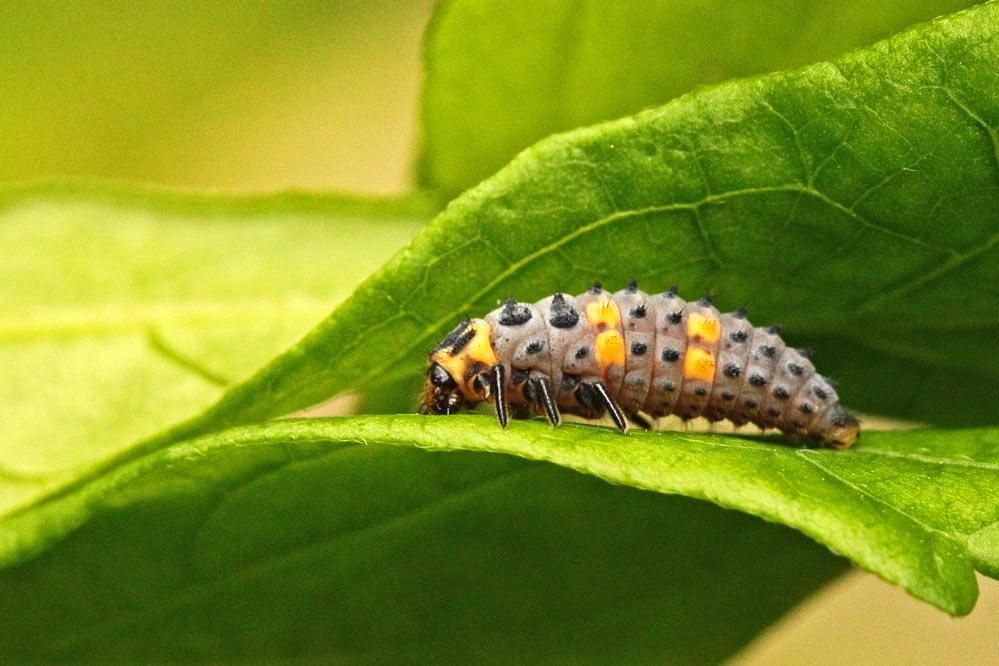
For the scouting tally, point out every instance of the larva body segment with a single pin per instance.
(630, 353)
(639, 326)
(669, 312)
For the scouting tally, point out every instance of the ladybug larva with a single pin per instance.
(630, 353)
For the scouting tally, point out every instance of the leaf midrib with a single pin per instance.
(956, 536)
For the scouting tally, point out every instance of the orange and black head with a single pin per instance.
(460, 369)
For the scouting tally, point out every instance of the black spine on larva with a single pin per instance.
(756, 377)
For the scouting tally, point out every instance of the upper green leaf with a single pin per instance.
(854, 201)
(124, 309)
(500, 76)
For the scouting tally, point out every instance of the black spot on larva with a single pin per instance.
(805, 352)
(781, 393)
(669, 387)
(752, 404)
(514, 314)
(562, 314)
(671, 355)
(700, 391)
(768, 351)
(795, 369)
(806, 408)
(480, 383)
(638, 312)
(839, 417)
(596, 288)
(731, 370)
(440, 377)
(632, 286)
(582, 352)
(531, 391)
(671, 292)
(638, 348)
(452, 338)
(775, 329)
(675, 317)
(519, 375)
(728, 397)
(773, 412)
(569, 382)
(738, 336)
(462, 341)
(820, 393)
(706, 300)
(535, 347)
(757, 379)
(740, 313)
(587, 397)
(634, 380)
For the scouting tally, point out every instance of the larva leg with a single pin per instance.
(497, 383)
(612, 407)
(640, 421)
(543, 386)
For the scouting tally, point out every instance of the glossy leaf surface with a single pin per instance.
(337, 538)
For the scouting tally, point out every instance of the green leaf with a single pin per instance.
(316, 542)
(334, 538)
(124, 309)
(854, 201)
(500, 76)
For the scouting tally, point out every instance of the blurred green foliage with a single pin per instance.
(501, 75)
(226, 94)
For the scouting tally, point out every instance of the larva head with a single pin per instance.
(459, 369)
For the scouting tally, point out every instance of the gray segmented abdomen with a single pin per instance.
(680, 357)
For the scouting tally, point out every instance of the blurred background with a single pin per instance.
(228, 94)
(249, 96)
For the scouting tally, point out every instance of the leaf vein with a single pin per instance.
(918, 457)
(804, 455)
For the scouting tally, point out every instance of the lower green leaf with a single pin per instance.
(336, 541)
(334, 537)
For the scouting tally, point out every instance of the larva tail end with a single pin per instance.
(845, 435)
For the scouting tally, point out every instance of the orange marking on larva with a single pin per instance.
(478, 350)
(704, 328)
(698, 364)
(603, 313)
(481, 347)
(610, 349)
